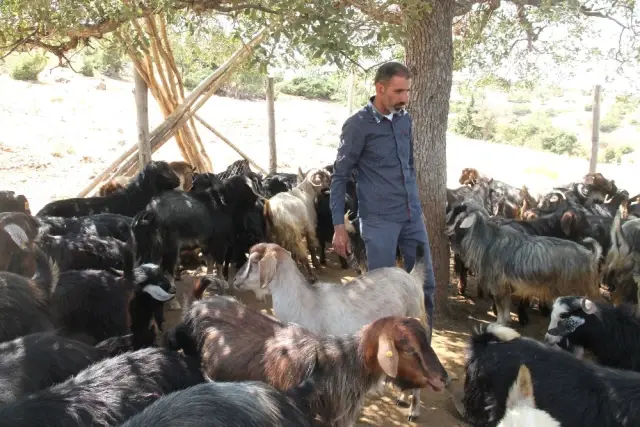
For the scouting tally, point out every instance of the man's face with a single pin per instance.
(394, 94)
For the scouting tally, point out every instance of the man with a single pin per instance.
(376, 141)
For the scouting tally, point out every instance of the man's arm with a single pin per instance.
(411, 165)
(351, 145)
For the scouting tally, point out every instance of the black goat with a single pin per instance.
(203, 217)
(230, 404)
(24, 302)
(93, 305)
(99, 225)
(17, 232)
(239, 167)
(574, 392)
(250, 229)
(84, 252)
(350, 188)
(611, 333)
(106, 393)
(9, 202)
(155, 178)
(202, 181)
(280, 182)
(36, 361)
(324, 226)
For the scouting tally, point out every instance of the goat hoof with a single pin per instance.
(412, 418)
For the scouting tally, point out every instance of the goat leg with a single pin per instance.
(171, 259)
(503, 306)
(523, 315)
(461, 269)
(343, 263)
(414, 406)
(323, 256)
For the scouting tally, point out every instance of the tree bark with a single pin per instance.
(429, 56)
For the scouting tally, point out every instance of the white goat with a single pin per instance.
(333, 308)
(521, 407)
(291, 216)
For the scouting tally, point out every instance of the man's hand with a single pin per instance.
(341, 242)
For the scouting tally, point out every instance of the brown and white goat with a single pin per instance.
(291, 216)
(185, 172)
(238, 343)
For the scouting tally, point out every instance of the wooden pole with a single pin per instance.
(182, 113)
(229, 143)
(271, 117)
(142, 109)
(352, 85)
(595, 132)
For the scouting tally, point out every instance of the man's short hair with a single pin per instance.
(389, 70)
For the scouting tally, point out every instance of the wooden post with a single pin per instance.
(352, 85)
(595, 132)
(273, 160)
(142, 108)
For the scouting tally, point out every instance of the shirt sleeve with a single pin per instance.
(351, 144)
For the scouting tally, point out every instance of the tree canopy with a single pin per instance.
(487, 33)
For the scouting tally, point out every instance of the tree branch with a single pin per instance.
(378, 13)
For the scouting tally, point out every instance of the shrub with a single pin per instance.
(588, 107)
(614, 154)
(108, 58)
(312, 87)
(538, 133)
(361, 94)
(28, 66)
(246, 83)
(521, 110)
(464, 124)
(87, 68)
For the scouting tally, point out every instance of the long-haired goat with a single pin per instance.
(334, 308)
(612, 334)
(291, 216)
(246, 404)
(25, 302)
(155, 178)
(99, 225)
(521, 408)
(623, 260)
(238, 343)
(106, 393)
(574, 392)
(536, 266)
(36, 361)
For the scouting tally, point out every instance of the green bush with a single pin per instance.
(361, 94)
(87, 69)
(611, 122)
(27, 67)
(588, 107)
(107, 57)
(312, 87)
(465, 123)
(538, 133)
(614, 154)
(521, 110)
(246, 83)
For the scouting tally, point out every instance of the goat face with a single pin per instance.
(163, 178)
(568, 315)
(596, 187)
(152, 279)
(462, 216)
(404, 354)
(260, 269)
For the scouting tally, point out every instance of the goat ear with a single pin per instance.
(301, 174)
(468, 221)
(18, 235)
(522, 390)
(267, 268)
(588, 306)
(387, 356)
(566, 221)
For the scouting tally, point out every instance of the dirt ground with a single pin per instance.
(451, 333)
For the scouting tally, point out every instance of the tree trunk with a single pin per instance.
(429, 56)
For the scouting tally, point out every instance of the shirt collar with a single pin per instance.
(377, 114)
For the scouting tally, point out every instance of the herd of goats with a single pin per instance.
(85, 282)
